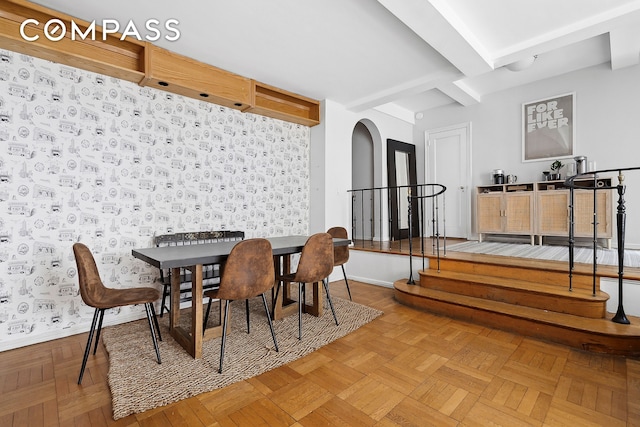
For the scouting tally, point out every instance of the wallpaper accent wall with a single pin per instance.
(89, 158)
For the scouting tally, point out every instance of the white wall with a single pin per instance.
(331, 158)
(382, 269)
(607, 120)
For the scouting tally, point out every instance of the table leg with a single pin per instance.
(284, 304)
(286, 287)
(197, 315)
(216, 331)
(175, 300)
(190, 340)
(316, 307)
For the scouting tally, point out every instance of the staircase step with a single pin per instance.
(579, 301)
(597, 335)
(545, 272)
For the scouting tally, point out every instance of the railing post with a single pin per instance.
(380, 216)
(389, 216)
(411, 281)
(595, 232)
(421, 226)
(571, 236)
(362, 215)
(353, 216)
(621, 217)
(444, 225)
(437, 229)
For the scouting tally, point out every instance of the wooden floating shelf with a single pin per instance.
(179, 74)
(123, 59)
(274, 102)
(148, 65)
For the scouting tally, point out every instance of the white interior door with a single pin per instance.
(448, 163)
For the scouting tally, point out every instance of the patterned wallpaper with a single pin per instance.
(89, 158)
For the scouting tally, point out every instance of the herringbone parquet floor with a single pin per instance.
(406, 368)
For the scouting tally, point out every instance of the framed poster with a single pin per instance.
(548, 128)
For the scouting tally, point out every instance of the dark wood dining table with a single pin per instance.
(193, 257)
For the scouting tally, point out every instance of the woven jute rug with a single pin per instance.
(138, 383)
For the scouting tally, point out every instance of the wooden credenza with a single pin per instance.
(506, 209)
(543, 209)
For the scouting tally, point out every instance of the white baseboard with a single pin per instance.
(631, 295)
(67, 332)
(371, 281)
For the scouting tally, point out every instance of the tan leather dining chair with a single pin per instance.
(96, 295)
(341, 253)
(315, 265)
(248, 272)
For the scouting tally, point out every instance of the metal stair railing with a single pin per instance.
(621, 216)
(368, 216)
(436, 190)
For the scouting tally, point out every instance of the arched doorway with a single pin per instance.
(366, 149)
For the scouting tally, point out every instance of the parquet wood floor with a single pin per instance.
(406, 368)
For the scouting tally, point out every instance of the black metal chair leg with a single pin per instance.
(246, 306)
(300, 303)
(326, 288)
(206, 317)
(304, 298)
(147, 307)
(224, 334)
(164, 299)
(88, 348)
(344, 273)
(273, 333)
(95, 346)
(275, 298)
(155, 320)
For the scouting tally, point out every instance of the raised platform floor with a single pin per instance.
(530, 297)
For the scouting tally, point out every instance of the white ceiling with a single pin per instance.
(411, 55)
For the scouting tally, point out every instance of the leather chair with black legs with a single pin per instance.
(341, 253)
(248, 272)
(315, 265)
(96, 295)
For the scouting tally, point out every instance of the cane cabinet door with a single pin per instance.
(490, 213)
(553, 213)
(584, 216)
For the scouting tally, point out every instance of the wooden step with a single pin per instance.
(579, 301)
(543, 272)
(596, 335)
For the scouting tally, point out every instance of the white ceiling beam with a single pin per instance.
(621, 17)
(404, 89)
(397, 111)
(460, 92)
(446, 34)
(625, 47)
